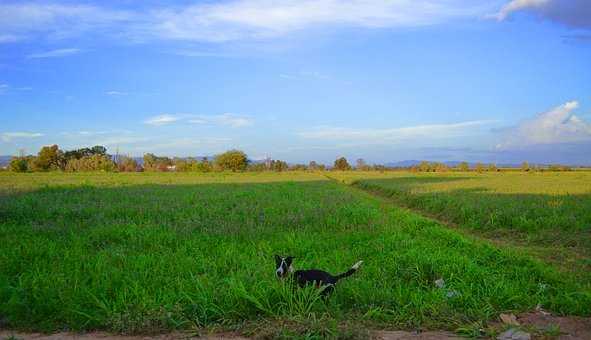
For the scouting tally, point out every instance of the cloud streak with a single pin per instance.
(10, 136)
(393, 135)
(164, 119)
(225, 119)
(233, 20)
(59, 53)
(22, 21)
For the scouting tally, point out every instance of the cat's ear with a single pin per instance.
(289, 260)
(277, 259)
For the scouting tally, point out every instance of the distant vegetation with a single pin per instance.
(52, 158)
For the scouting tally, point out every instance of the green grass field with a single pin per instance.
(548, 214)
(153, 252)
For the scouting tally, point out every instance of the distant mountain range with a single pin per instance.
(4, 160)
(412, 162)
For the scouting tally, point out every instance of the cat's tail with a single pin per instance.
(350, 271)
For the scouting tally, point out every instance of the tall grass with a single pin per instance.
(105, 252)
(548, 212)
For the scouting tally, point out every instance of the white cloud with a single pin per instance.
(10, 136)
(229, 119)
(225, 119)
(558, 125)
(393, 135)
(260, 19)
(230, 20)
(3, 88)
(518, 5)
(116, 93)
(20, 21)
(573, 13)
(63, 52)
(7, 38)
(163, 119)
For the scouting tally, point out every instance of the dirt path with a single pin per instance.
(381, 335)
(538, 324)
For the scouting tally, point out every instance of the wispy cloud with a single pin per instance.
(573, 13)
(305, 75)
(21, 21)
(116, 93)
(203, 54)
(559, 125)
(59, 53)
(225, 21)
(393, 135)
(163, 119)
(225, 119)
(3, 88)
(7, 38)
(255, 19)
(10, 136)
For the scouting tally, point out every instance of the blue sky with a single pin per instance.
(493, 81)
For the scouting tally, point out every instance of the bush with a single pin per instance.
(18, 164)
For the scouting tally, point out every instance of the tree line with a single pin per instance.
(96, 158)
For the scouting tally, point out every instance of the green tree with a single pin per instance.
(234, 160)
(182, 164)
(203, 166)
(298, 167)
(150, 162)
(464, 166)
(425, 166)
(525, 166)
(479, 167)
(361, 165)
(440, 167)
(155, 163)
(127, 164)
(95, 162)
(341, 164)
(492, 167)
(279, 166)
(313, 165)
(49, 158)
(258, 167)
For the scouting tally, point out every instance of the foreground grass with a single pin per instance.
(549, 213)
(100, 251)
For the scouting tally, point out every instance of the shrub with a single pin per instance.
(18, 164)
